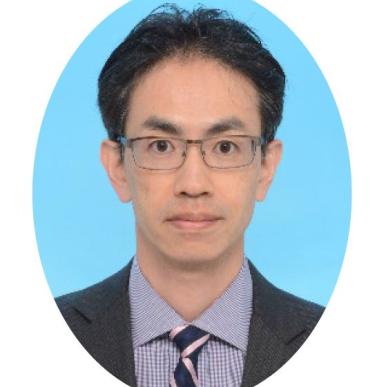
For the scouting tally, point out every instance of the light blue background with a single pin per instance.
(297, 237)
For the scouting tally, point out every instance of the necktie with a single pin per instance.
(189, 341)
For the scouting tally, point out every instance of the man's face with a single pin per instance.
(194, 214)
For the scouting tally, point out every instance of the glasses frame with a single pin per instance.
(125, 142)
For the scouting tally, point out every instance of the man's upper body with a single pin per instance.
(191, 102)
(262, 329)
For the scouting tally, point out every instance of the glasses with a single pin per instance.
(167, 153)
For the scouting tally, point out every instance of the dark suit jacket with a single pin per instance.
(99, 316)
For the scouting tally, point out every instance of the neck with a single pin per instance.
(189, 288)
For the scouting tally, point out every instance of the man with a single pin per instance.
(191, 102)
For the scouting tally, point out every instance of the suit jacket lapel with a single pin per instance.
(264, 347)
(117, 350)
(109, 338)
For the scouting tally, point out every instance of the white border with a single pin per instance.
(345, 39)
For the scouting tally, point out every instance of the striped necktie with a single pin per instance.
(189, 341)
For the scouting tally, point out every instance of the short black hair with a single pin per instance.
(170, 31)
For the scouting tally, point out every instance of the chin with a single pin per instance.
(194, 258)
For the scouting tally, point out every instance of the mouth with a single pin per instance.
(193, 221)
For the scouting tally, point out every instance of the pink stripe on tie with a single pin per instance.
(189, 365)
(174, 332)
(173, 382)
(192, 347)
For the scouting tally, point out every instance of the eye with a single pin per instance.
(225, 147)
(161, 146)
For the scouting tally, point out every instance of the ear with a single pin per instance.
(114, 167)
(269, 163)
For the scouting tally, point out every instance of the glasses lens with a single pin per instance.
(158, 153)
(229, 152)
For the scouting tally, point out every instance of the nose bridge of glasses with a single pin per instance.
(200, 149)
(193, 142)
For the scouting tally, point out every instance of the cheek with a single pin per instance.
(149, 195)
(239, 196)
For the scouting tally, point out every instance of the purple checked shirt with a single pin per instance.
(221, 361)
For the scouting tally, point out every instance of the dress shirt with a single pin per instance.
(221, 361)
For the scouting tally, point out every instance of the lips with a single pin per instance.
(193, 221)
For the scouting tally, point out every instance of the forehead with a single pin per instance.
(193, 93)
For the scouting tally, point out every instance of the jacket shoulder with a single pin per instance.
(99, 318)
(84, 305)
(288, 316)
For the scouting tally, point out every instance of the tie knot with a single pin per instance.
(189, 339)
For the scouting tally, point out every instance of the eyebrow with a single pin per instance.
(224, 125)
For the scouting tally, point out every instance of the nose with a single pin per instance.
(193, 178)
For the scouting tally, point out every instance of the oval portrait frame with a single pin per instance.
(298, 235)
